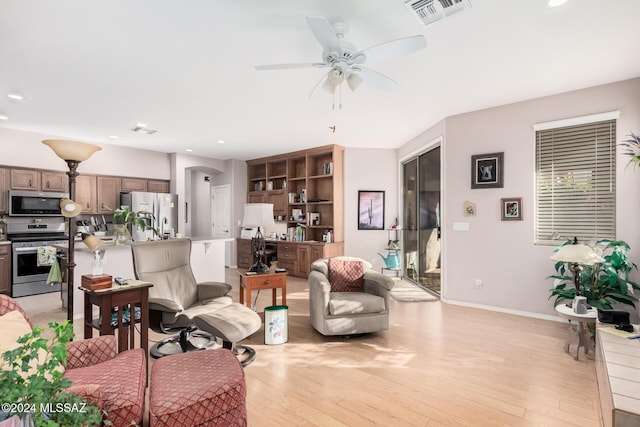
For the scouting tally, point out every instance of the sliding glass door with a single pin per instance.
(421, 219)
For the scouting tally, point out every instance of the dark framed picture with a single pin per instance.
(370, 210)
(511, 209)
(487, 170)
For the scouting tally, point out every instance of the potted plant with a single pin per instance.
(124, 217)
(632, 149)
(604, 283)
(32, 386)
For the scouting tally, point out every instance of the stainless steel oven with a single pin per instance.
(28, 277)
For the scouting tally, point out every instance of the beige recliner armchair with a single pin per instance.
(347, 297)
(177, 301)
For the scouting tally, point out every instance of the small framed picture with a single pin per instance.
(487, 170)
(370, 210)
(511, 208)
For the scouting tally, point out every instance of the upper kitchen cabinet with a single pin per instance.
(108, 194)
(86, 193)
(55, 181)
(25, 179)
(155, 186)
(133, 184)
(3, 190)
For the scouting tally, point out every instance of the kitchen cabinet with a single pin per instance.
(86, 193)
(4, 196)
(155, 186)
(54, 181)
(133, 184)
(108, 194)
(5, 269)
(25, 179)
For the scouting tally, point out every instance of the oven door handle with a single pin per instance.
(25, 250)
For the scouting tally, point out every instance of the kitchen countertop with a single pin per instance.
(5, 242)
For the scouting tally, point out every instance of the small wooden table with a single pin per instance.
(578, 334)
(125, 298)
(270, 280)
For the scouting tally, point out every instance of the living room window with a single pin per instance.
(575, 179)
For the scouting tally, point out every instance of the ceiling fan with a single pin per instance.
(345, 62)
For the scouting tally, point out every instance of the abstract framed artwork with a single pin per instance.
(487, 170)
(511, 208)
(370, 210)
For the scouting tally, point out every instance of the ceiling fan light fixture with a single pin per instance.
(354, 81)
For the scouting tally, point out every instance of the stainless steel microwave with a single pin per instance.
(35, 203)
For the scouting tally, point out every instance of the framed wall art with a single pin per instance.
(370, 210)
(511, 209)
(487, 170)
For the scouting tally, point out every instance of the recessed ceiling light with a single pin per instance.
(556, 3)
(141, 125)
(15, 96)
(220, 141)
(188, 150)
(113, 136)
(4, 118)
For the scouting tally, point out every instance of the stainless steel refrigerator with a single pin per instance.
(163, 208)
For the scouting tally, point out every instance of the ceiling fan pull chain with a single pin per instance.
(340, 95)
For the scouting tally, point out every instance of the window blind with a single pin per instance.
(575, 182)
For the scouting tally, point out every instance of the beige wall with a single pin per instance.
(502, 253)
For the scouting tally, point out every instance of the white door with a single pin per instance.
(221, 211)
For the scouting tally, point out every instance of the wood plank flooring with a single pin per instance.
(437, 365)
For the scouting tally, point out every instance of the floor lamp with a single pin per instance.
(72, 152)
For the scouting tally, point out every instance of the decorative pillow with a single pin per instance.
(346, 276)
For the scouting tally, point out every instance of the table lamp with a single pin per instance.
(577, 254)
(72, 152)
(94, 243)
(258, 215)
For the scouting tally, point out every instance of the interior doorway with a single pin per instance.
(421, 219)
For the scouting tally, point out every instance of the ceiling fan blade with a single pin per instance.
(325, 34)
(289, 66)
(376, 79)
(394, 48)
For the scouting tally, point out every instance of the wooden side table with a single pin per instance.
(578, 334)
(124, 298)
(270, 280)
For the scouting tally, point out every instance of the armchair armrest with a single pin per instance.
(377, 283)
(319, 289)
(162, 304)
(208, 290)
(83, 353)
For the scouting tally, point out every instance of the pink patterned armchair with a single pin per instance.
(115, 381)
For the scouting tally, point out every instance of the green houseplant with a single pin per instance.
(632, 149)
(125, 216)
(35, 383)
(604, 283)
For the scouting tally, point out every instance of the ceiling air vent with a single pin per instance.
(428, 11)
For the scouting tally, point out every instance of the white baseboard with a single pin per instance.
(505, 310)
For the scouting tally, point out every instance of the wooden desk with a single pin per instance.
(270, 280)
(125, 298)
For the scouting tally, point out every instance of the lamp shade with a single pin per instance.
(258, 215)
(71, 150)
(69, 208)
(92, 242)
(577, 253)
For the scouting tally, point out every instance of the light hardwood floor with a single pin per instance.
(437, 365)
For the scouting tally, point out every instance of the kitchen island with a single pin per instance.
(207, 263)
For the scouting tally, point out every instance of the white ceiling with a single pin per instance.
(90, 69)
